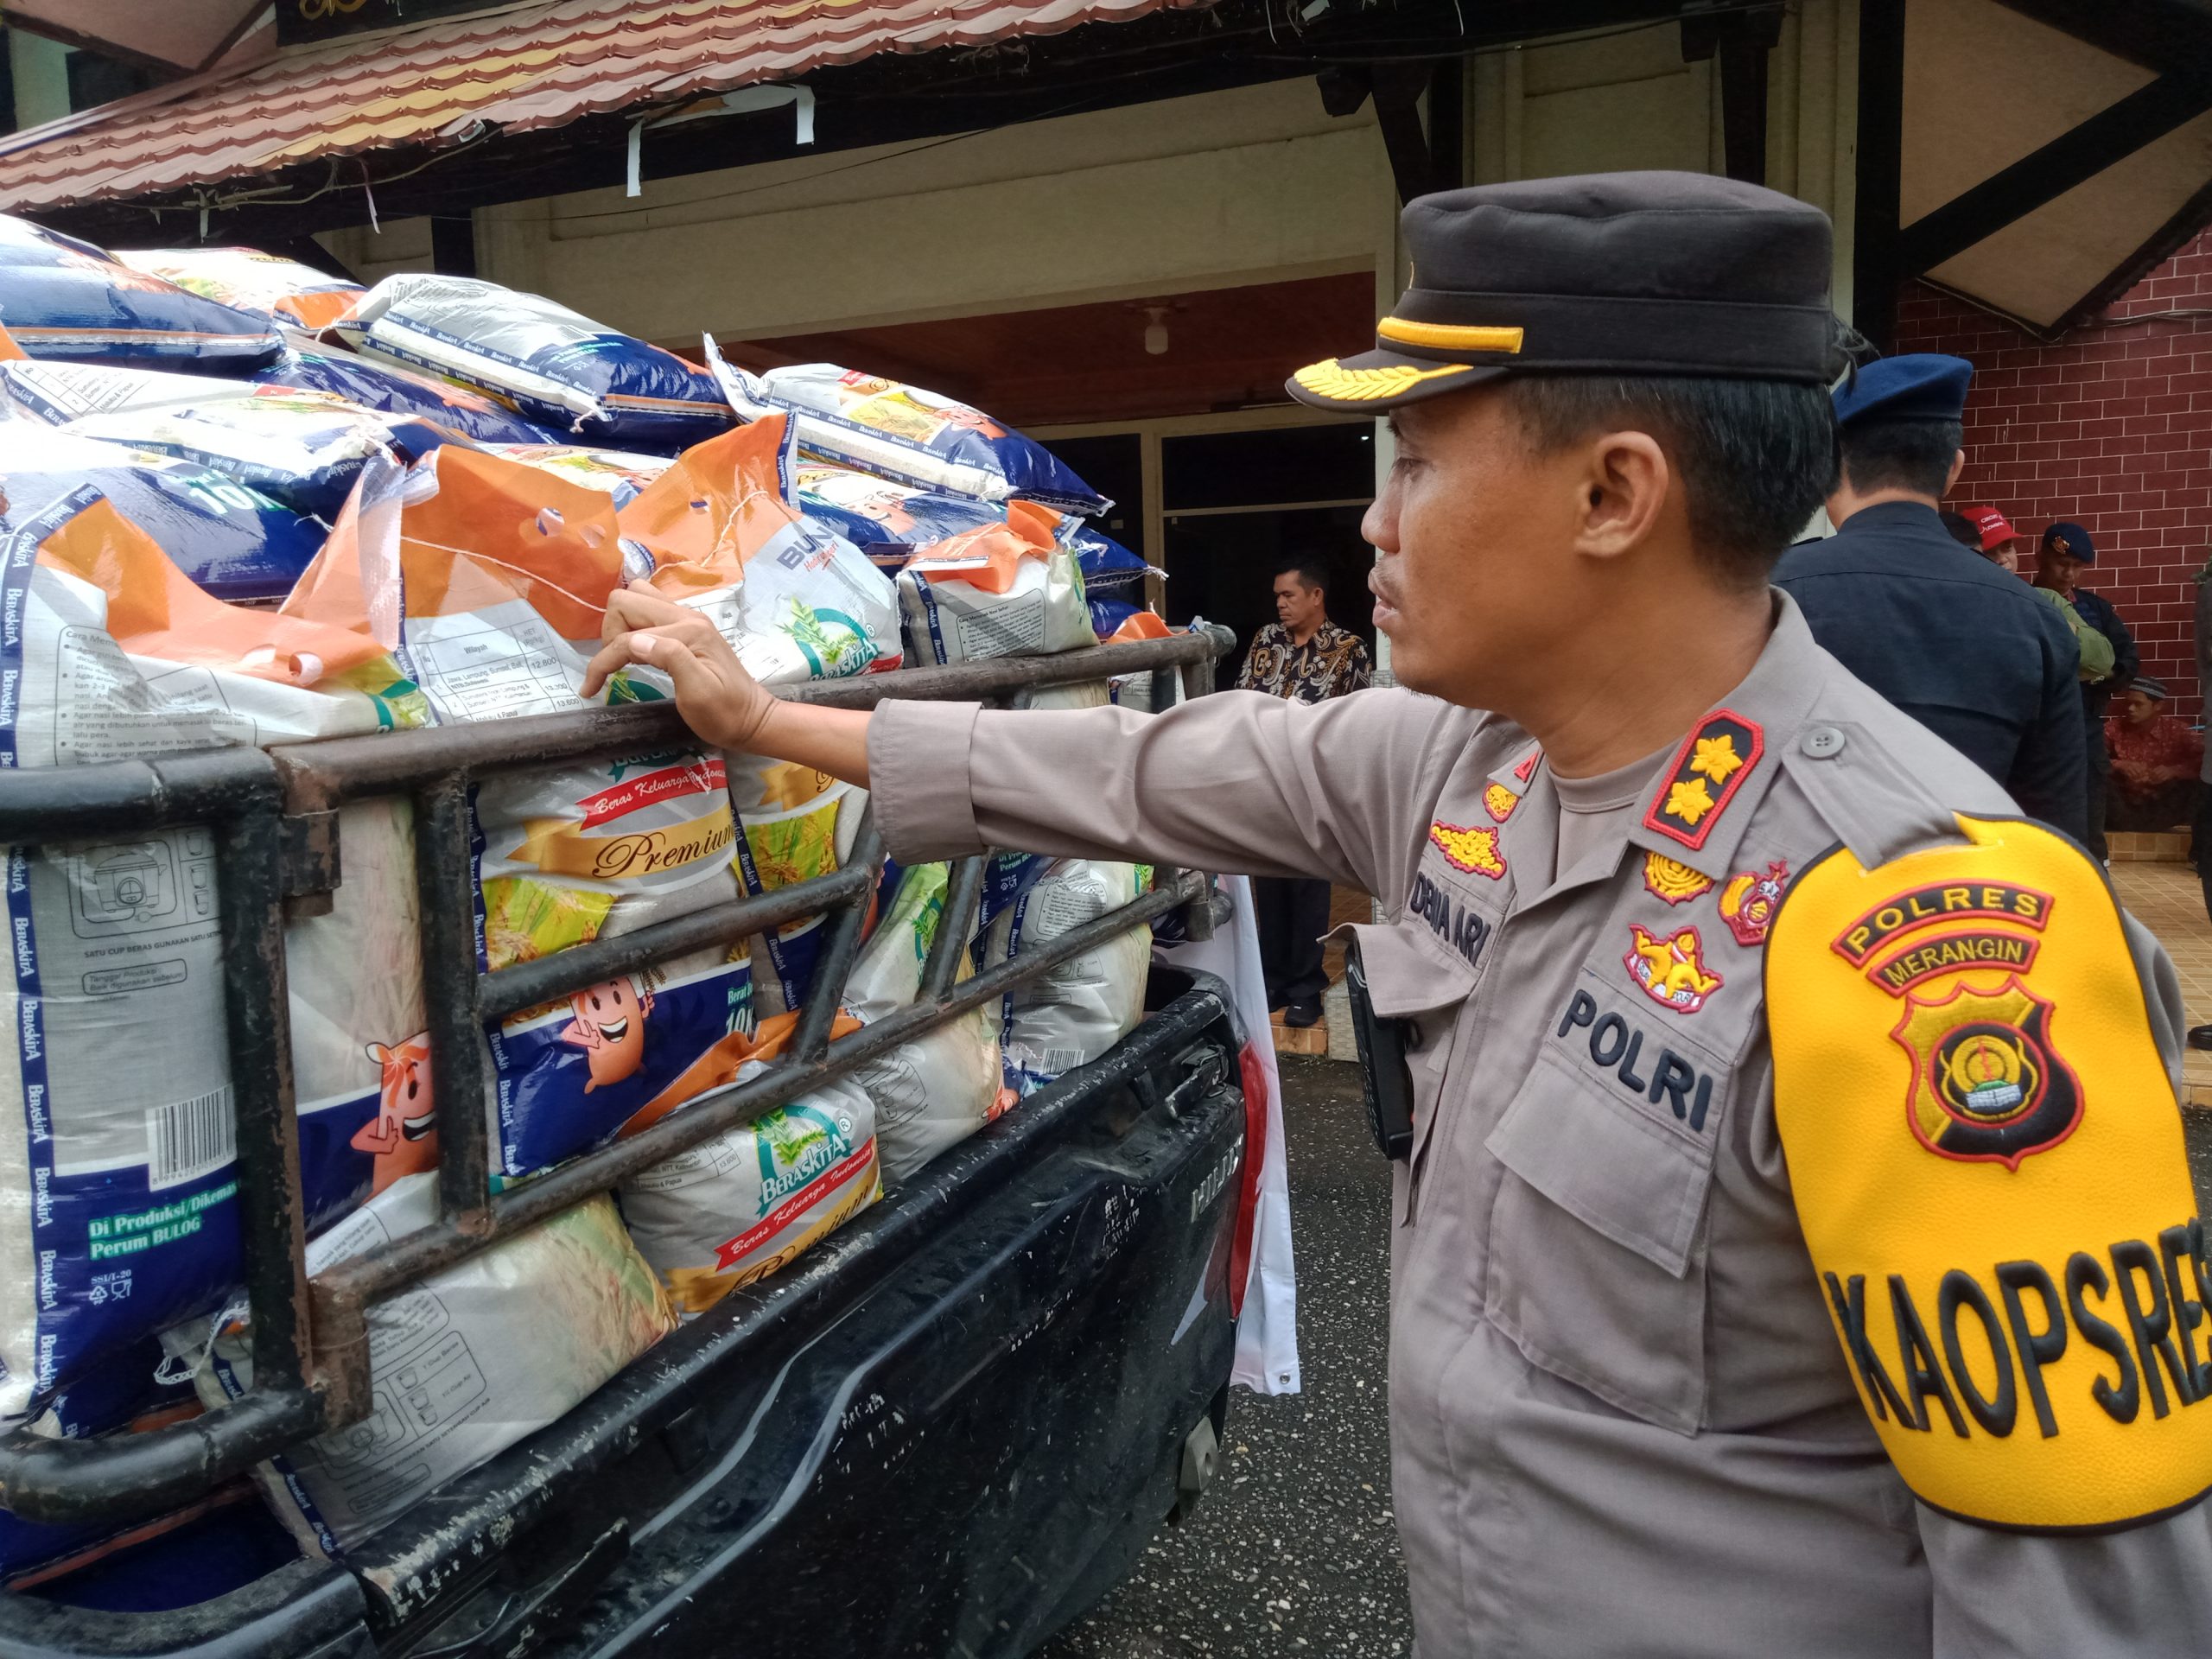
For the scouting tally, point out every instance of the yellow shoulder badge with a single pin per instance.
(1987, 1162)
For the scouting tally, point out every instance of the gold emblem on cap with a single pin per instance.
(1332, 379)
(1449, 336)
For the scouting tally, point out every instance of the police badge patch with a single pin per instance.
(1987, 1087)
(1747, 903)
(1499, 801)
(1672, 970)
(1677, 884)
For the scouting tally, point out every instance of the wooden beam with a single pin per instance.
(1398, 88)
(2043, 176)
(1741, 40)
(1875, 275)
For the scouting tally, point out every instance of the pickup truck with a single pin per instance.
(945, 1430)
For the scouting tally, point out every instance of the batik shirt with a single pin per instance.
(1331, 663)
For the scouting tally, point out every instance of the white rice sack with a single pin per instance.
(56, 393)
(1079, 1010)
(298, 296)
(793, 824)
(934, 1092)
(558, 368)
(463, 1366)
(795, 600)
(901, 432)
(117, 1134)
(616, 472)
(745, 1204)
(1003, 590)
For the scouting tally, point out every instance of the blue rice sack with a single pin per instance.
(392, 390)
(63, 298)
(558, 368)
(1112, 578)
(230, 539)
(881, 517)
(901, 432)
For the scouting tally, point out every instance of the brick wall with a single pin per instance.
(2111, 428)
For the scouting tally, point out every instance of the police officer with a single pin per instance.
(1797, 1254)
(1967, 651)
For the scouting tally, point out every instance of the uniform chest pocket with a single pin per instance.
(1597, 1253)
(1424, 990)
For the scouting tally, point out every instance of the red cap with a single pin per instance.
(1995, 528)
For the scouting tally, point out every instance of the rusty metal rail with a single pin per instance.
(274, 814)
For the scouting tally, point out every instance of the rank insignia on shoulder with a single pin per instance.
(1526, 767)
(1672, 970)
(1499, 801)
(1675, 883)
(2015, 1272)
(1747, 903)
(1709, 768)
(1473, 850)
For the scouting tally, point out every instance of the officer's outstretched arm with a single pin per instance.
(1237, 782)
(1987, 1162)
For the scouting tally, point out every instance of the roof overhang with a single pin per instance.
(175, 37)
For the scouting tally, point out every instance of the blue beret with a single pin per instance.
(1922, 387)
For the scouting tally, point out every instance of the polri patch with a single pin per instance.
(1672, 970)
(1709, 768)
(1987, 1086)
(1473, 850)
(1677, 884)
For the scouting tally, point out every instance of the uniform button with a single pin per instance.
(1822, 741)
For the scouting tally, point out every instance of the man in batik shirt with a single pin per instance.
(1304, 656)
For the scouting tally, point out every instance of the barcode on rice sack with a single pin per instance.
(187, 1139)
(1057, 1060)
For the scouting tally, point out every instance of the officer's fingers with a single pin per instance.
(618, 653)
(639, 606)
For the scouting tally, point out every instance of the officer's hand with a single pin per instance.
(718, 698)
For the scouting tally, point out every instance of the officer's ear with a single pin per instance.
(1624, 483)
(1958, 466)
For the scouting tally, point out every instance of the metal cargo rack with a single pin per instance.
(274, 816)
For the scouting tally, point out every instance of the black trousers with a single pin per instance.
(1292, 915)
(2200, 846)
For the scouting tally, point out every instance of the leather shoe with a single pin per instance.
(2200, 1036)
(1299, 1016)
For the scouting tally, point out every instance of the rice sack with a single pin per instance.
(286, 291)
(491, 578)
(1006, 589)
(876, 515)
(620, 474)
(223, 1542)
(558, 368)
(1081, 1008)
(796, 602)
(794, 824)
(118, 1197)
(303, 448)
(226, 538)
(391, 390)
(934, 1092)
(463, 1364)
(1113, 583)
(63, 298)
(737, 1208)
(897, 431)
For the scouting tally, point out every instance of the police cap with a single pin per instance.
(1610, 273)
(1922, 387)
(2071, 538)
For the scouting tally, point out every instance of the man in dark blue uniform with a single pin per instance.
(2066, 551)
(1965, 649)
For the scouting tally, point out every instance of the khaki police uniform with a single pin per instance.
(1797, 1254)
(1621, 1420)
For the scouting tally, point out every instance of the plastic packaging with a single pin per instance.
(244, 279)
(794, 824)
(392, 390)
(737, 1208)
(620, 474)
(118, 1195)
(558, 368)
(898, 431)
(303, 448)
(63, 298)
(1081, 1008)
(230, 540)
(796, 602)
(463, 1363)
(934, 1092)
(1007, 589)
